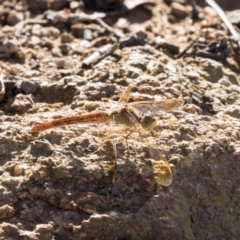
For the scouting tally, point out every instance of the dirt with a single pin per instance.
(57, 60)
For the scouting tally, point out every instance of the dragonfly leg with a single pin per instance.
(130, 132)
(126, 137)
(103, 142)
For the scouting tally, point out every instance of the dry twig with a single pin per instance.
(99, 55)
(2, 93)
(117, 33)
(225, 19)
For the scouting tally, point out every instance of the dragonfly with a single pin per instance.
(134, 115)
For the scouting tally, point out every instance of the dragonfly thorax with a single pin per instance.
(123, 116)
(132, 118)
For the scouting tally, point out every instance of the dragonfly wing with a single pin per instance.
(125, 96)
(154, 107)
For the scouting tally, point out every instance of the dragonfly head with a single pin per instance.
(148, 122)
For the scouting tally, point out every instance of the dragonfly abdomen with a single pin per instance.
(87, 118)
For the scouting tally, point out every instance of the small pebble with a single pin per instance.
(178, 9)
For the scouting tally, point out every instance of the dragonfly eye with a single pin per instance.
(148, 122)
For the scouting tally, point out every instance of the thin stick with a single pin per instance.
(186, 49)
(224, 18)
(110, 29)
(2, 93)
